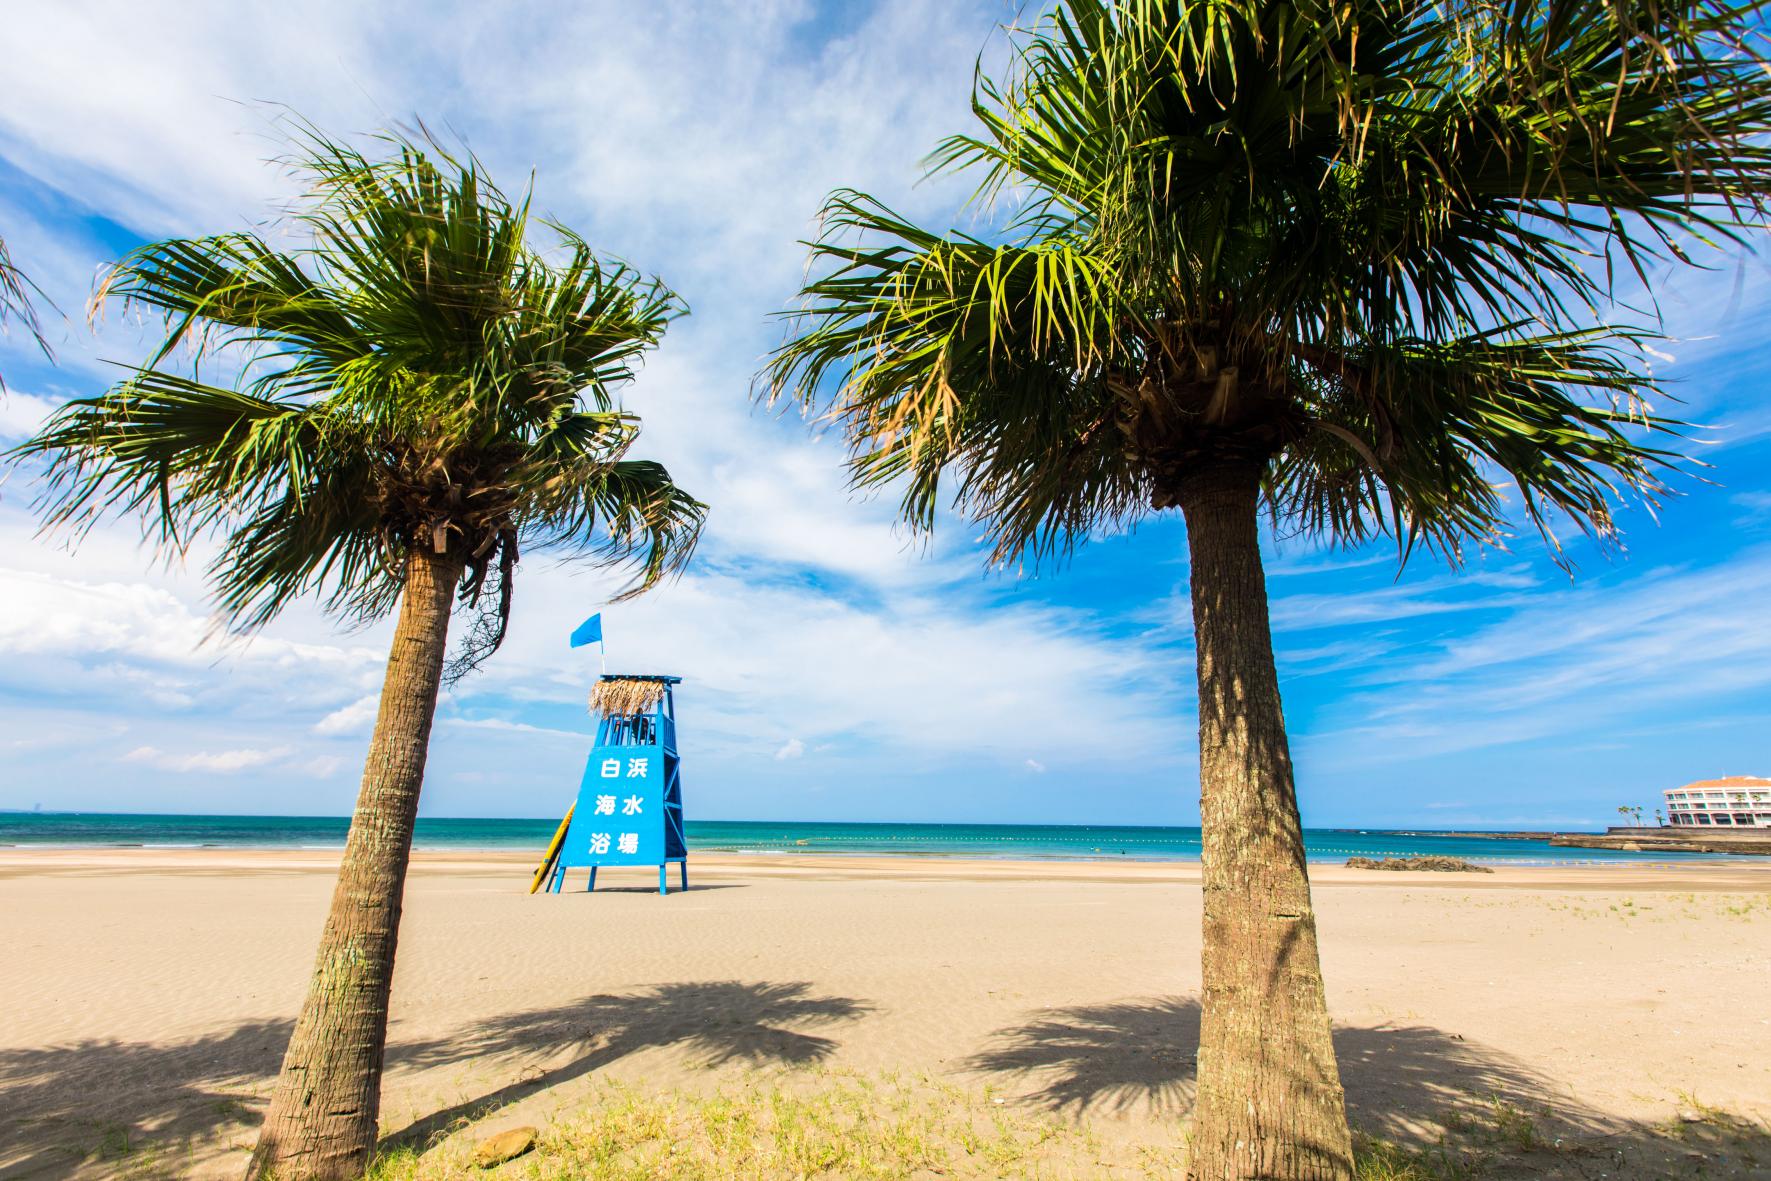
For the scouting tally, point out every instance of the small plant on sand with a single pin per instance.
(1501, 1124)
(1746, 907)
(1714, 1129)
(1514, 1129)
(114, 1142)
(408, 397)
(1376, 1159)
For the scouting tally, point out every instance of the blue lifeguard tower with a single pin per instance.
(630, 804)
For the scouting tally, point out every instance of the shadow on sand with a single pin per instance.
(98, 1105)
(716, 1021)
(98, 1102)
(1414, 1085)
(605, 886)
(92, 1106)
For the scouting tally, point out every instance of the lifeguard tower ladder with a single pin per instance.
(630, 803)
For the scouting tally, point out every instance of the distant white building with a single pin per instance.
(1737, 801)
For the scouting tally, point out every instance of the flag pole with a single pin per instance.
(592, 629)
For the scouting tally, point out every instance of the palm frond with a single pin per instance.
(416, 375)
(643, 520)
(170, 449)
(18, 302)
(1372, 245)
(910, 326)
(1426, 441)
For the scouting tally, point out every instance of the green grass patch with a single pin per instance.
(1381, 1160)
(851, 1128)
(826, 1126)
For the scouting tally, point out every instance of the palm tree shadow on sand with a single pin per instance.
(717, 1022)
(1403, 1083)
(104, 1103)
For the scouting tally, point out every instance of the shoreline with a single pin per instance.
(1676, 859)
(1707, 875)
(982, 843)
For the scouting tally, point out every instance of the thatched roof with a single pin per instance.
(626, 696)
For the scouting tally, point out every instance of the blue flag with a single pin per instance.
(589, 632)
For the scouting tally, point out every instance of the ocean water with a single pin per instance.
(1027, 841)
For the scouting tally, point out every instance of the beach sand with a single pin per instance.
(145, 997)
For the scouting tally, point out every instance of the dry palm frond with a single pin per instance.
(626, 696)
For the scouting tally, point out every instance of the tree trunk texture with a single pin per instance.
(322, 1121)
(1269, 1101)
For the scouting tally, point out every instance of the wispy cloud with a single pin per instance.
(1568, 662)
(1755, 506)
(221, 762)
(1443, 595)
(506, 726)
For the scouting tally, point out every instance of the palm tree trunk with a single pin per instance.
(322, 1120)
(1269, 1101)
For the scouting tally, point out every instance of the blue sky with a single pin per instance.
(834, 668)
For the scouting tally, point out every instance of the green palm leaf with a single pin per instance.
(419, 375)
(1362, 242)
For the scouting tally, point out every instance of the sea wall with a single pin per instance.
(1671, 840)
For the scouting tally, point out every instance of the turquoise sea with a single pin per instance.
(1028, 841)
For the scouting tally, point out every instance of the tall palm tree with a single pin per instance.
(1334, 261)
(418, 391)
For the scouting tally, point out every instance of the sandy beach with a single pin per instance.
(1620, 1013)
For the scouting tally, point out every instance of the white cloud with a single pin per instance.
(797, 511)
(107, 596)
(506, 726)
(354, 718)
(21, 413)
(183, 113)
(937, 669)
(140, 643)
(793, 748)
(1035, 766)
(97, 591)
(218, 762)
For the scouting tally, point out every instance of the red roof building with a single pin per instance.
(1733, 801)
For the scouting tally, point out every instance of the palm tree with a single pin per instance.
(419, 390)
(1337, 262)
